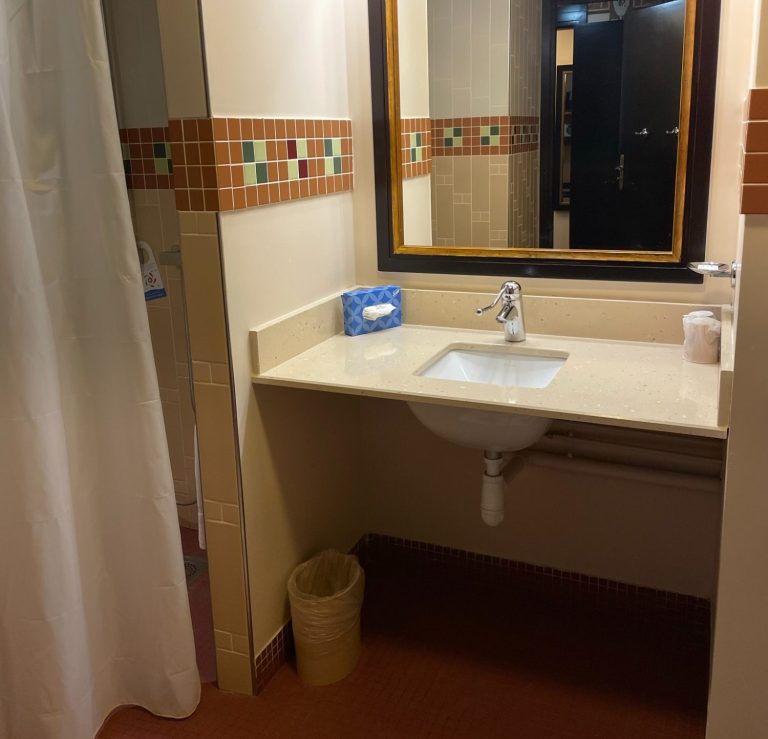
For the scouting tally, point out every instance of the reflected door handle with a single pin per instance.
(642, 133)
(673, 132)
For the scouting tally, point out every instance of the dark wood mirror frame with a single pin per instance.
(700, 67)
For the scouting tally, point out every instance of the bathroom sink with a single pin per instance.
(493, 431)
(496, 366)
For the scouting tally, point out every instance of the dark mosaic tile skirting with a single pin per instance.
(630, 603)
(147, 158)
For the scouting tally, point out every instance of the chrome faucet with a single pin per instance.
(511, 313)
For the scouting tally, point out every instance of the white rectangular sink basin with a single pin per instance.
(496, 366)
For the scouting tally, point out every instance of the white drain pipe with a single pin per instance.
(499, 471)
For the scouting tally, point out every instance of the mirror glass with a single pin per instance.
(541, 124)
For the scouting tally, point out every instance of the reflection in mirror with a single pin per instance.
(541, 124)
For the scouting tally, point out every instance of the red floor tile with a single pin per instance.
(446, 656)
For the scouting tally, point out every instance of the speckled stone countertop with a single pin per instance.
(618, 383)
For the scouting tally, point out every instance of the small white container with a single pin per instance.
(702, 337)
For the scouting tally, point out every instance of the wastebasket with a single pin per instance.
(326, 594)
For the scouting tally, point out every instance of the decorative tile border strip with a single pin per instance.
(234, 163)
(416, 146)
(147, 158)
(754, 191)
(484, 135)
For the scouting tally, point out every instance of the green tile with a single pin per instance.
(170, 166)
(337, 165)
(328, 147)
(159, 151)
(419, 152)
(457, 132)
(337, 147)
(293, 169)
(262, 176)
(125, 150)
(418, 139)
(414, 140)
(457, 141)
(249, 173)
(447, 133)
(259, 151)
(127, 166)
(448, 142)
(495, 140)
(248, 155)
(495, 130)
(329, 165)
(485, 130)
(485, 141)
(301, 148)
(161, 166)
(413, 153)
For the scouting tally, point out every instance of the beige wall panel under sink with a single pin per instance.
(306, 490)
(429, 490)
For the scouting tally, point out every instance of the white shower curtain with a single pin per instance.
(93, 603)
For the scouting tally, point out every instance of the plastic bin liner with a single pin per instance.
(326, 595)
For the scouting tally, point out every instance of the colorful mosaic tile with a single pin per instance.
(147, 160)
(416, 146)
(248, 162)
(485, 135)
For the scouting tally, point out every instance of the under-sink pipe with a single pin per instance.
(499, 471)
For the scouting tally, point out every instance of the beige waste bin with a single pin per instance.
(326, 594)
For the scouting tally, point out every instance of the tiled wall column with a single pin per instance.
(218, 448)
(754, 197)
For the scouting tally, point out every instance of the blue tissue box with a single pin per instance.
(355, 302)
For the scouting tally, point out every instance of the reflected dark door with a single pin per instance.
(597, 54)
(651, 77)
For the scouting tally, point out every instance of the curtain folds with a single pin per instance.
(93, 603)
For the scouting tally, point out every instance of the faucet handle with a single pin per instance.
(510, 288)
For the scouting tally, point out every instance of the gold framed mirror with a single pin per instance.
(470, 96)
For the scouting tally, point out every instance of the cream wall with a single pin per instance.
(414, 103)
(301, 490)
(734, 66)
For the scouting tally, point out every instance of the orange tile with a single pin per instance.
(239, 197)
(272, 171)
(290, 129)
(282, 171)
(235, 152)
(207, 153)
(192, 153)
(258, 129)
(336, 128)
(226, 201)
(189, 126)
(224, 176)
(282, 150)
(304, 188)
(312, 187)
(756, 169)
(271, 151)
(280, 128)
(209, 177)
(246, 129)
(205, 129)
(222, 152)
(233, 126)
(301, 129)
(757, 137)
(251, 196)
(262, 194)
(196, 200)
(175, 130)
(274, 193)
(294, 189)
(754, 200)
(269, 128)
(211, 200)
(758, 105)
(180, 177)
(238, 179)
(194, 177)
(220, 129)
(182, 199)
